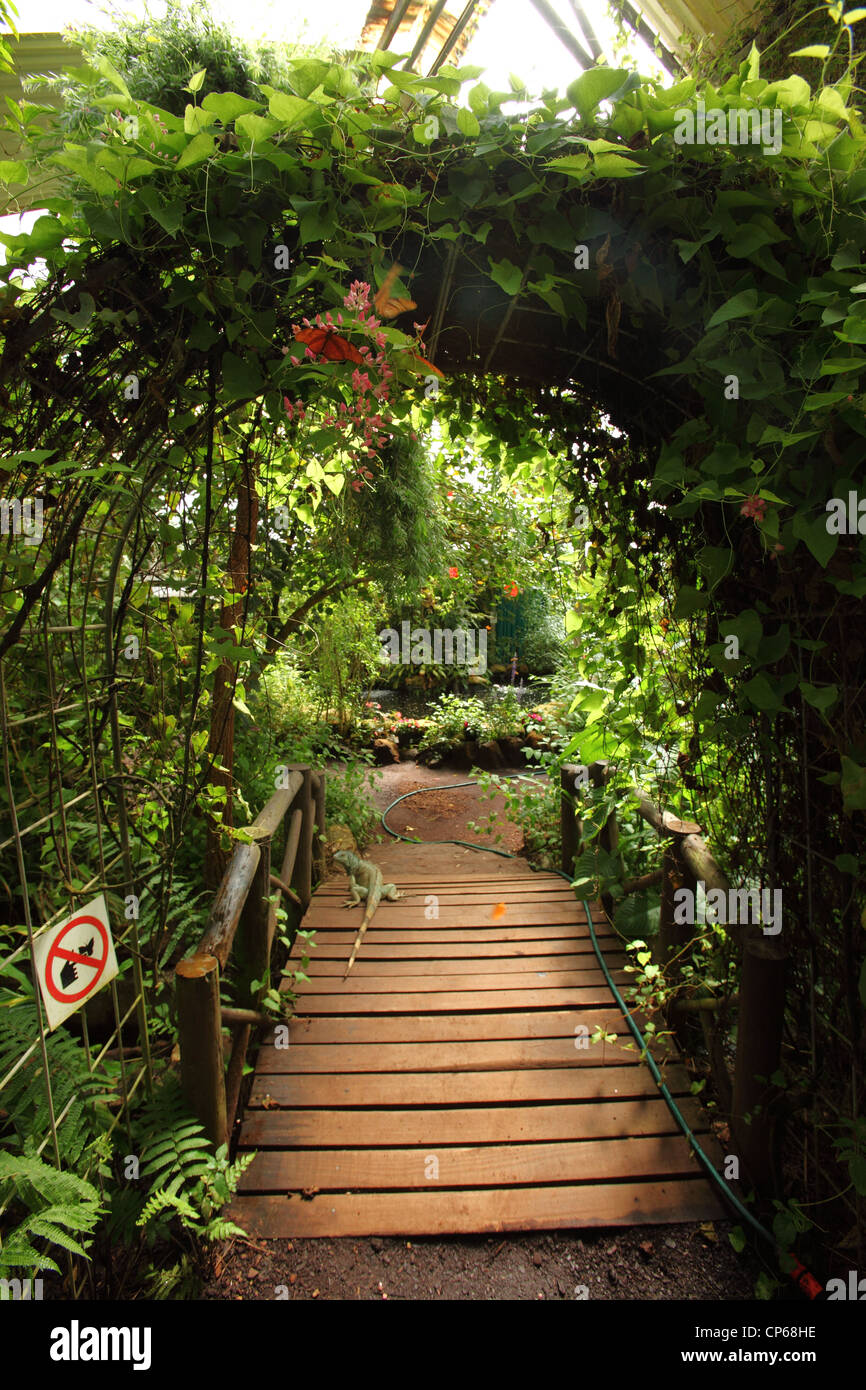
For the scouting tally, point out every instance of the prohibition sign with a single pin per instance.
(95, 962)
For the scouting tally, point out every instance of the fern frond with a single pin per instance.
(220, 1229)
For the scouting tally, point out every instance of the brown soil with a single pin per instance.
(443, 812)
(684, 1261)
(646, 1263)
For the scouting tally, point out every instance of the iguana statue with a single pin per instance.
(365, 881)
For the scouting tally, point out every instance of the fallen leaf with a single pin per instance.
(315, 1293)
(292, 1278)
(708, 1231)
(499, 911)
(308, 1193)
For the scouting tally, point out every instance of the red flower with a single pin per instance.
(754, 506)
(512, 591)
(453, 572)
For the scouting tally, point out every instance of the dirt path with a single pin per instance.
(443, 812)
(649, 1263)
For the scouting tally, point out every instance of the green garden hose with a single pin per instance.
(806, 1281)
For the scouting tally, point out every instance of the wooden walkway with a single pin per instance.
(440, 1089)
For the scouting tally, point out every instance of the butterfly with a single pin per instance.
(329, 344)
(385, 306)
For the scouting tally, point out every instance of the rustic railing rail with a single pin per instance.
(688, 860)
(245, 906)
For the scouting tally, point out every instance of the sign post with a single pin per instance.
(74, 959)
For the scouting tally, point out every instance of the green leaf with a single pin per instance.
(241, 379)
(507, 276)
(199, 148)
(819, 697)
(227, 106)
(819, 540)
(689, 601)
(574, 164)
(468, 123)
(12, 171)
(292, 111)
(614, 166)
(196, 80)
(738, 307)
(763, 694)
(853, 786)
(593, 87)
(847, 863)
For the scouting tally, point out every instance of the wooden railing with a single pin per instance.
(761, 1001)
(245, 906)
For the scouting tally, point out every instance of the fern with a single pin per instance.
(61, 1206)
(189, 1180)
(24, 1096)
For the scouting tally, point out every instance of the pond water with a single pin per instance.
(418, 703)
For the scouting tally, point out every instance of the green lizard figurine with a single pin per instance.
(365, 881)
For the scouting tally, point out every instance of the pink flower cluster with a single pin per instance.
(754, 506)
(362, 421)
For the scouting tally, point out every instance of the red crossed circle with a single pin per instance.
(90, 961)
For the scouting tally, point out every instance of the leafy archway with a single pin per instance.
(591, 260)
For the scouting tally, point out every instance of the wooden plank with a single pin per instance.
(357, 985)
(500, 1165)
(329, 949)
(553, 1023)
(454, 1212)
(280, 1129)
(468, 1001)
(367, 967)
(442, 936)
(469, 896)
(521, 1088)
(498, 1055)
(400, 914)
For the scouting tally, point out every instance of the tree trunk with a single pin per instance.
(222, 729)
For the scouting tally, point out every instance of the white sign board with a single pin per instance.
(74, 960)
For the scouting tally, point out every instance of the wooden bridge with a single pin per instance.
(451, 1084)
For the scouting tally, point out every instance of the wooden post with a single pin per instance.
(302, 879)
(319, 840)
(255, 942)
(759, 1041)
(235, 1074)
(200, 1034)
(599, 775)
(672, 935)
(568, 817)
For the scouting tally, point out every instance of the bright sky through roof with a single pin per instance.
(511, 38)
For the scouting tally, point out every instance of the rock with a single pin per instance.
(562, 1287)
(537, 1259)
(511, 749)
(646, 1249)
(377, 1243)
(671, 1244)
(613, 1276)
(340, 837)
(489, 757)
(385, 750)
